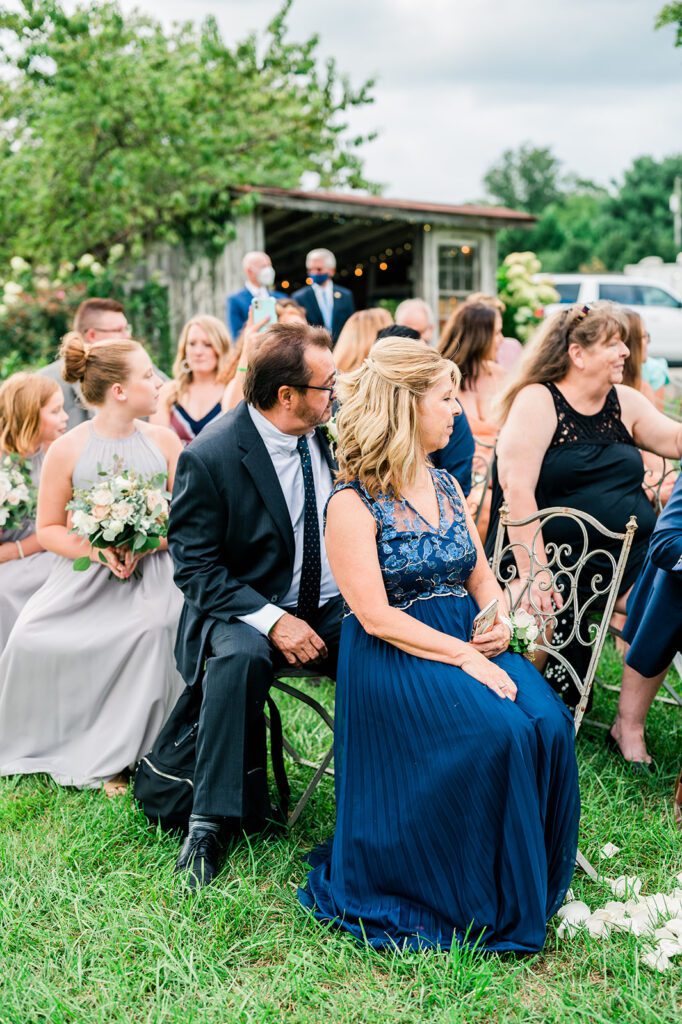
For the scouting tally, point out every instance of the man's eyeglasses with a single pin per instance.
(331, 388)
(121, 329)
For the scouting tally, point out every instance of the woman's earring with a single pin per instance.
(185, 367)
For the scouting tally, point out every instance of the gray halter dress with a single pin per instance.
(88, 676)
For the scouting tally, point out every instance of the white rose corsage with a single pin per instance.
(331, 434)
(524, 632)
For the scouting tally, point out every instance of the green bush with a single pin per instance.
(524, 297)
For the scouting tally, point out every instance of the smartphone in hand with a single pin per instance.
(485, 619)
(262, 308)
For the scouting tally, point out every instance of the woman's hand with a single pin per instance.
(539, 597)
(8, 552)
(132, 560)
(480, 668)
(111, 557)
(494, 641)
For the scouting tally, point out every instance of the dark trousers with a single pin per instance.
(230, 778)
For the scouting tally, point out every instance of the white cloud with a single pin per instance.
(461, 80)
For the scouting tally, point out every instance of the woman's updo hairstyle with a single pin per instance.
(378, 423)
(22, 396)
(96, 365)
(547, 358)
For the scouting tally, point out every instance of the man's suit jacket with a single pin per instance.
(342, 308)
(230, 532)
(458, 455)
(238, 306)
(654, 622)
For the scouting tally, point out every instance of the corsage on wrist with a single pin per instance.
(524, 632)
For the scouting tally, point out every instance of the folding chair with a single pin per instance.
(562, 568)
(282, 682)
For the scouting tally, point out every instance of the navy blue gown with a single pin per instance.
(457, 811)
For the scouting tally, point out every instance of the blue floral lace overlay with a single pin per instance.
(418, 559)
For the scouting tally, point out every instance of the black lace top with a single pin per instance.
(573, 427)
(592, 464)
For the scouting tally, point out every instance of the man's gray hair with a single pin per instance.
(246, 262)
(409, 306)
(321, 254)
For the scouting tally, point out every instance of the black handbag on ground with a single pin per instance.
(164, 778)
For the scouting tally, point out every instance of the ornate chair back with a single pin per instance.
(563, 567)
(481, 472)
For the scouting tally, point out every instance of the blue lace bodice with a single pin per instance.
(418, 560)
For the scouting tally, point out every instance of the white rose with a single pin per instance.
(154, 499)
(122, 484)
(86, 260)
(83, 523)
(21, 493)
(113, 529)
(18, 264)
(122, 510)
(5, 486)
(13, 498)
(4, 516)
(102, 496)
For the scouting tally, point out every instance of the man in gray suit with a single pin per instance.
(95, 320)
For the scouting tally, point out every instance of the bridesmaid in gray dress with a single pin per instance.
(32, 416)
(88, 675)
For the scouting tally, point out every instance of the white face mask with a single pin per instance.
(266, 277)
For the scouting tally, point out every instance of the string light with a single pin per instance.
(358, 271)
(285, 284)
(466, 250)
(383, 266)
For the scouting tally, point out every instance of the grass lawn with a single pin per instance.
(94, 926)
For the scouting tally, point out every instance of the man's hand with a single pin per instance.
(297, 641)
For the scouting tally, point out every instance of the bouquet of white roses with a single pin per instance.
(122, 511)
(17, 493)
(524, 632)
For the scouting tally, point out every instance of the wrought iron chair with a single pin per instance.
(282, 682)
(561, 570)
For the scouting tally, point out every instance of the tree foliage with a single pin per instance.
(113, 130)
(581, 226)
(671, 14)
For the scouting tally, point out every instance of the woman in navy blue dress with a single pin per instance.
(456, 781)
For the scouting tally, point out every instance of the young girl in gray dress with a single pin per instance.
(88, 675)
(31, 417)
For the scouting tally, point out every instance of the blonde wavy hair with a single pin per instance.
(546, 358)
(22, 396)
(378, 423)
(217, 334)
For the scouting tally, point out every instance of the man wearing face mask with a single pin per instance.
(260, 277)
(326, 304)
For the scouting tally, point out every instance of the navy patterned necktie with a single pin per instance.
(311, 569)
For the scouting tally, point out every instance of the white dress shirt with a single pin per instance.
(287, 464)
(324, 293)
(258, 291)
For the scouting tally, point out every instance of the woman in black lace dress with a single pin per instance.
(570, 436)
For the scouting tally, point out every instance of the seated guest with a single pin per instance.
(471, 338)
(357, 337)
(32, 416)
(326, 304)
(426, 717)
(95, 320)
(417, 314)
(191, 399)
(245, 535)
(458, 454)
(570, 437)
(259, 276)
(509, 350)
(659, 477)
(87, 676)
(654, 631)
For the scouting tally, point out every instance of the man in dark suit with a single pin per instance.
(326, 304)
(246, 540)
(259, 277)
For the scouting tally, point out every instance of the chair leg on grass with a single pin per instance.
(584, 865)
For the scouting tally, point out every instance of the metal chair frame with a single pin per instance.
(561, 569)
(323, 767)
(481, 474)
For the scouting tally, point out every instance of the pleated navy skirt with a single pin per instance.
(457, 811)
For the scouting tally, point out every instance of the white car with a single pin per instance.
(659, 308)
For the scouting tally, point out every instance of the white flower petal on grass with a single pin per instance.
(624, 885)
(670, 947)
(598, 927)
(675, 926)
(678, 878)
(570, 895)
(656, 960)
(608, 851)
(573, 916)
(663, 903)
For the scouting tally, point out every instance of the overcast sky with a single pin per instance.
(459, 81)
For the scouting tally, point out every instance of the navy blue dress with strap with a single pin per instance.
(457, 811)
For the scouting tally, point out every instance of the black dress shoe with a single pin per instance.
(637, 767)
(200, 857)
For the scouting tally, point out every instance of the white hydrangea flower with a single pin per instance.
(86, 260)
(19, 264)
